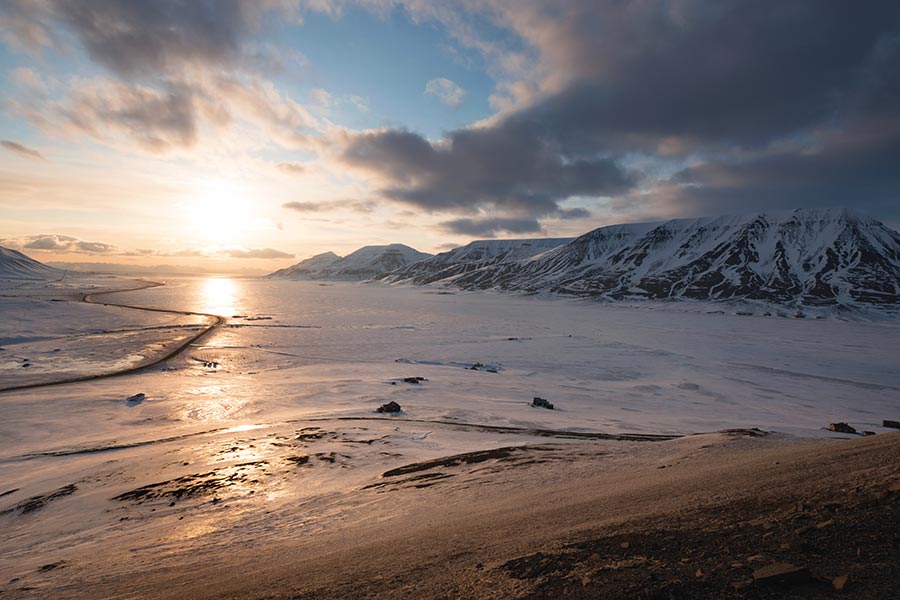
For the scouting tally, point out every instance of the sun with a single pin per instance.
(218, 212)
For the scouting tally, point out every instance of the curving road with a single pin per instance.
(91, 299)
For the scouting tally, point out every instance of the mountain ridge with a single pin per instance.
(804, 257)
(364, 263)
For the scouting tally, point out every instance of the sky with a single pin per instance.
(245, 135)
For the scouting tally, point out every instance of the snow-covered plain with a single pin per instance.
(269, 425)
(48, 334)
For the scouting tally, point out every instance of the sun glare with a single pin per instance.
(219, 296)
(218, 212)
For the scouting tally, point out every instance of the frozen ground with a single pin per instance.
(270, 425)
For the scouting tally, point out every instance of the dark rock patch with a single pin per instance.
(36, 503)
(198, 484)
(542, 403)
(457, 459)
(841, 428)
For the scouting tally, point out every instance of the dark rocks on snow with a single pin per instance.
(891, 424)
(542, 403)
(390, 407)
(415, 380)
(136, 399)
(841, 428)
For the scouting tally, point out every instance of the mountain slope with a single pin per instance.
(806, 257)
(15, 265)
(307, 269)
(365, 263)
(470, 258)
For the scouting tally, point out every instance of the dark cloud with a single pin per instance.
(777, 105)
(636, 73)
(862, 173)
(491, 227)
(573, 213)
(21, 149)
(512, 167)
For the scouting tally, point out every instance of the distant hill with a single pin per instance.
(15, 265)
(307, 269)
(365, 263)
(805, 257)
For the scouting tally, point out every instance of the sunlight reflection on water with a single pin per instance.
(219, 296)
(211, 403)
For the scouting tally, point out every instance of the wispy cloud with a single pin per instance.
(21, 149)
(446, 91)
(291, 168)
(360, 206)
(230, 252)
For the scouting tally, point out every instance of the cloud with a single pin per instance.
(516, 167)
(59, 243)
(69, 244)
(360, 206)
(859, 172)
(597, 99)
(291, 168)
(446, 91)
(177, 69)
(156, 119)
(491, 227)
(747, 94)
(230, 252)
(22, 150)
(27, 79)
(148, 37)
(305, 206)
(23, 26)
(170, 115)
(256, 253)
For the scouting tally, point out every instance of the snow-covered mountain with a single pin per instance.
(309, 268)
(470, 258)
(806, 257)
(15, 265)
(365, 263)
